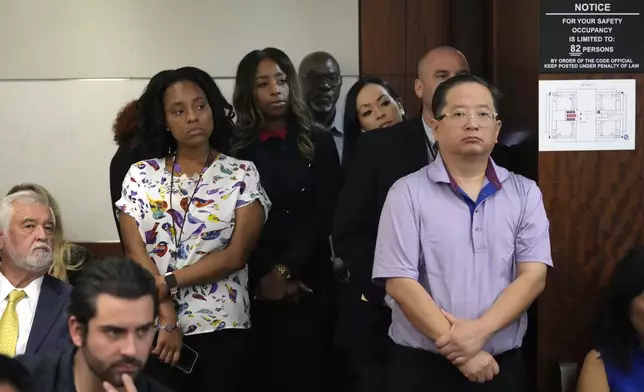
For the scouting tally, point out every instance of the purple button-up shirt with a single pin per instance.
(463, 252)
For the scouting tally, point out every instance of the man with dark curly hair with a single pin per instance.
(13, 376)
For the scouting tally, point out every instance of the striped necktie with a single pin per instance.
(432, 149)
(9, 324)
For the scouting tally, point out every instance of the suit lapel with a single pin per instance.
(48, 308)
(418, 143)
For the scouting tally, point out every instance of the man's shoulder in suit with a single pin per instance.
(49, 331)
(62, 288)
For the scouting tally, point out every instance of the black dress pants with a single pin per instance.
(291, 344)
(222, 363)
(413, 370)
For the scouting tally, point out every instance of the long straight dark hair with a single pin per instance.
(250, 119)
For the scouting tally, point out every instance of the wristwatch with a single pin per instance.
(171, 283)
(168, 327)
(281, 268)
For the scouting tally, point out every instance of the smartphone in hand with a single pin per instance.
(187, 359)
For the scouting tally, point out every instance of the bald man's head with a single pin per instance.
(436, 66)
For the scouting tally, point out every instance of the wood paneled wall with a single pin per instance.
(593, 199)
(394, 34)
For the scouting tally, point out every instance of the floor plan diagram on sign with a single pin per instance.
(586, 115)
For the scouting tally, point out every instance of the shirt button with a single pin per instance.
(477, 229)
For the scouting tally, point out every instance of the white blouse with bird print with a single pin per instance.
(203, 211)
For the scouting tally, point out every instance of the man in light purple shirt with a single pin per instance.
(463, 249)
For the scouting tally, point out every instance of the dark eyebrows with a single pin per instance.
(276, 75)
(175, 104)
(108, 327)
(181, 103)
(145, 326)
(379, 98)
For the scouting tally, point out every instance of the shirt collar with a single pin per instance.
(32, 290)
(438, 173)
(266, 134)
(428, 130)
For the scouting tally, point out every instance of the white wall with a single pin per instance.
(67, 66)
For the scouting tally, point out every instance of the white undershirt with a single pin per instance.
(26, 308)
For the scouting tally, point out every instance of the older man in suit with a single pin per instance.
(32, 304)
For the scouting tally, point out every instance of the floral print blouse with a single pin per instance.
(227, 184)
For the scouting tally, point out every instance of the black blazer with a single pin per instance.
(49, 331)
(381, 158)
(303, 196)
(54, 372)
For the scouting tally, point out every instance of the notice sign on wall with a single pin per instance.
(591, 36)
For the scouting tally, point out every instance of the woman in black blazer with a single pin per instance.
(290, 269)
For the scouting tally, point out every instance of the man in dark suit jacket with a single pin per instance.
(383, 157)
(14, 377)
(33, 304)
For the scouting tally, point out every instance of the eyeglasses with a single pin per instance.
(316, 79)
(459, 118)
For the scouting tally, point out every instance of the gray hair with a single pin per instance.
(30, 197)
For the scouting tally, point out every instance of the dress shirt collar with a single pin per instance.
(437, 172)
(266, 134)
(428, 131)
(32, 290)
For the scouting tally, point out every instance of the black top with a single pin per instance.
(119, 166)
(303, 196)
(381, 158)
(55, 373)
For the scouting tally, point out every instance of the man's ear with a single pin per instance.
(498, 130)
(434, 124)
(418, 89)
(77, 331)
(2, 238)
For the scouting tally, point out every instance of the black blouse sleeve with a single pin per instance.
(315, 233)
(355, 227)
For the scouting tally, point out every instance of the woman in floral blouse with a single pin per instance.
(191, 215)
